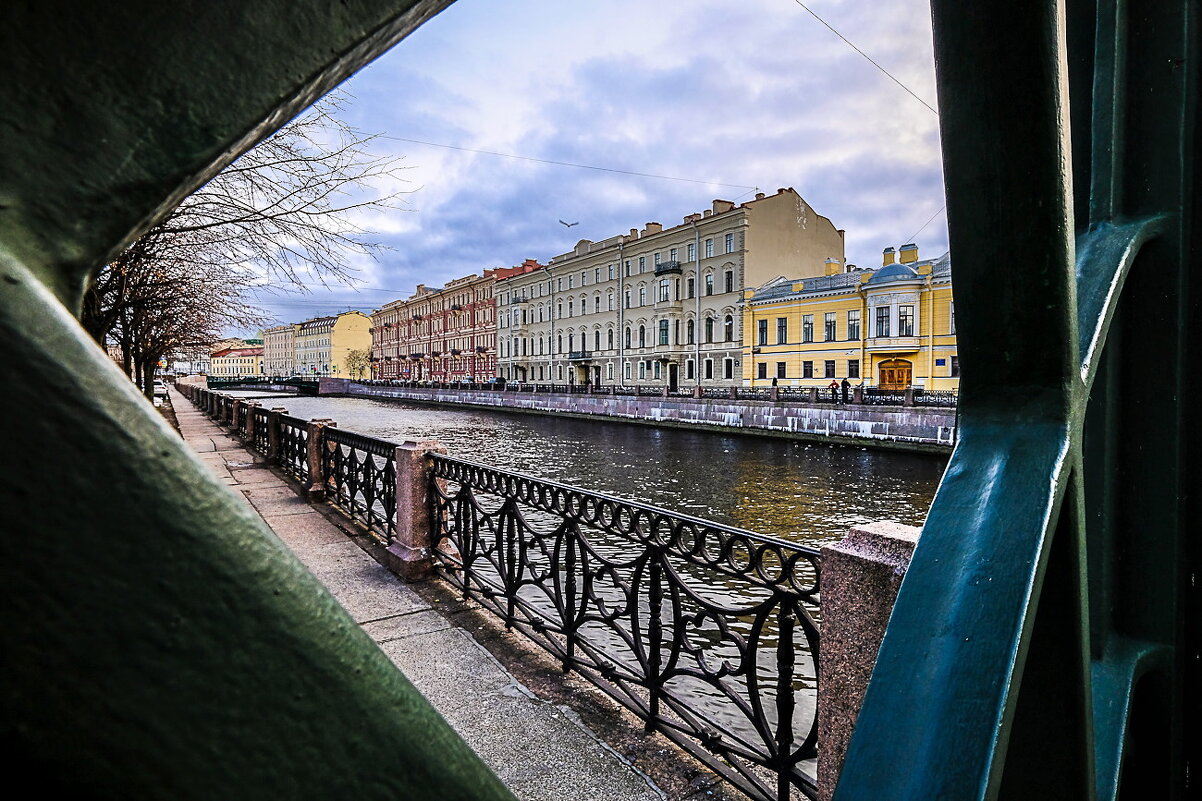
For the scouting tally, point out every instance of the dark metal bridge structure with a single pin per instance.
(303, 386)
(1045, 641)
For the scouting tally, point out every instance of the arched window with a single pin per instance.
(596, 340)
(610, 300)
(628, 298)
(609, 339)
(559, 344)
(690, 332)
(728, 329)
(709, 329)
(628, 336)
(571, 342)
(559, 309)
(709, 283)
(596, 303)
(642, 296)
(642, 336)
(569, 308)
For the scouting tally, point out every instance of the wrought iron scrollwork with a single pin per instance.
(360, 474)
(708, 633)
(294, 446)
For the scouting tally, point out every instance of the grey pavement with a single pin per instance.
(539, 750)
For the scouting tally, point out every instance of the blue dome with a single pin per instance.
(893, 272)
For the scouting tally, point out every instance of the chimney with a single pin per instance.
(652, 228)
(722, 206)
(888, 257)
(634, 233)
(759, 196)
(832, 266)
(909, 253)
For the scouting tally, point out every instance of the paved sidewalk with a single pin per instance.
(540, 751)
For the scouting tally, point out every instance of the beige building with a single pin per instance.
(659, 306)
(324, 345)
(279, 350)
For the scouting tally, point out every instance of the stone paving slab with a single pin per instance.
(540, 751)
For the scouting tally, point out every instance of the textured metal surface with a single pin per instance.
(294, 446)
(708, 633)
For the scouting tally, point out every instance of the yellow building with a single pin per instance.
(324, 344)
(891, 328)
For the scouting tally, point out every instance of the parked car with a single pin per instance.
(160, 389)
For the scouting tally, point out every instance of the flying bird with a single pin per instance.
(569, 225)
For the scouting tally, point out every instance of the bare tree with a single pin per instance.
(357, 362)
(281, 216)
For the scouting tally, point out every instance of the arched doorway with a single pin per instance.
(895, 374)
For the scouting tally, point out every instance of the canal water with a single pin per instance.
(801, 492)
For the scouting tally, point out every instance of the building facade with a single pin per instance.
(892, 327)
(658, 306)
(334, 347)
(237, 362)
(447, 334)
(279, 350)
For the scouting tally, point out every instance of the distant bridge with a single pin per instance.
(304, 386)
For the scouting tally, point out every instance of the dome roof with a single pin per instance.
(893, 272)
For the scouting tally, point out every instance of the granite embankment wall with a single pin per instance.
(901, 427)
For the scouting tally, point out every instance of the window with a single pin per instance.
(761, 336)
(611, 277)
(730, 243)
(807, 328)
(728, 368)
(829, 327)
(761, 370)
(609, 371)
(609, 340)
(664, 293)
(807, 369)
(692, 286)
(905, 321)
(570, 281)
(596, 303)
(672, 254)
(853, 324)
(690, 331)
(628, 337)
(596, 340)
(882, 321)
(569, 308)
(688, 369)
(853, 368)
(709, 368)
(642, 336)
(642, 263)
(709, 284)
(559, 344)
(951, 318)
(628, 298)
(782, 330)
(709, 248)
(628, 273)
(560, 284)
(691, 251)
(642, 295)
(728, 329)
(656, 257)
(729, 281)
(572, 342)
(780, 369)
(663, 332)
(626, 371)
(709, 329)
(955, 369)
(655, 370)
(828, 368)
(610, 300)
(642, 370)
(596, 276)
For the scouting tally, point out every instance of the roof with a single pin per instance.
(236, 352)
(893, 272)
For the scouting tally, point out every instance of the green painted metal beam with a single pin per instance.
(1046, 631)
(158, 640)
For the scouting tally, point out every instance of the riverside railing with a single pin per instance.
(859, 395)
(708, 633)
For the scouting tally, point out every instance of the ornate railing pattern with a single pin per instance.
(262, 436)
(885, 397)
(934, 397)
(294, 445)
(360, 475)
(643, 602)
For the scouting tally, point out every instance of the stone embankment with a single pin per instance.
(898, 427)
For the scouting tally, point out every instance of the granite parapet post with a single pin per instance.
(861, 575)
(411, 554)
(316, 491)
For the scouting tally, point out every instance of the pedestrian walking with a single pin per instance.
(846, 389)
(834, 388)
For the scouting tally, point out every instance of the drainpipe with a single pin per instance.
(621, 311)
(865, 368)
(551, 344)
(697, 296)
(930, 333)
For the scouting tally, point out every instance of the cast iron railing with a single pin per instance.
(360, 476)
(884, 397)
(294, 446)
(934, 397)
(261, 434)
(708, 633)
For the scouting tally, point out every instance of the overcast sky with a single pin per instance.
(726, 95)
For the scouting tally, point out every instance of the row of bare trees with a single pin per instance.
(281, 217)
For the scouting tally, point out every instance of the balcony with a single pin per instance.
(667, 268)
(893, 344)
(580, 355)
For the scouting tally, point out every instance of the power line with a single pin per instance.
(568, 163)
(865, 55)
(914, 235)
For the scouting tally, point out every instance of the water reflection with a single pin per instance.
(800, 492)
